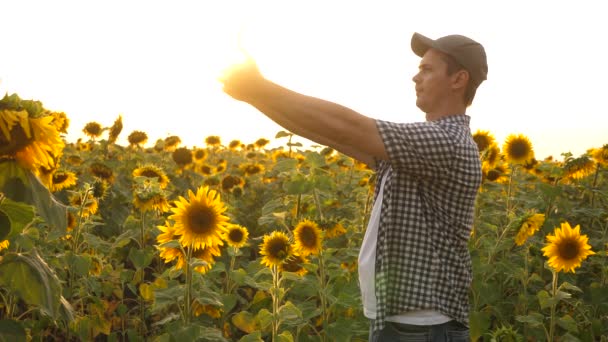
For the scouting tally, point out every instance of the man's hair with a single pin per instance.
(453, 67)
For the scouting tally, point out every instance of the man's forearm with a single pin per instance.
(310, 117)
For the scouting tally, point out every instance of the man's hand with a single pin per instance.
(243, 81)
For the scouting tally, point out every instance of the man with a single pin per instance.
(414, 265)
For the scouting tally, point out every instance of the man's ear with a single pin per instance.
(460, 79)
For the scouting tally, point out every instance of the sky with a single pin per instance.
(157, 63)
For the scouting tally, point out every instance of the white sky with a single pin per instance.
(157, 62)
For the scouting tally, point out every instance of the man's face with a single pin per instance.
(433, 85)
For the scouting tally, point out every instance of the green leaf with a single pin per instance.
(285, 165)
(298, 184)
(253, 337)
(545, 300)
(21, 185)
(566, 285)
(81, 264)
(315, 160)
(11, 331)
(5, 226)
(568, 323)
(208, 334)
(534, 319)
(285, 336)
(323, 182)
(290, 314)
(30, 278)
(229, 301)
(282, 134)
(141, 258)
(245, 321)
(264, 318)
(479, 324)
(19, 216)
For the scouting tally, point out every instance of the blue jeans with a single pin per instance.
(451, 331)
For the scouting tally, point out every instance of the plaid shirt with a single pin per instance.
(422, 258)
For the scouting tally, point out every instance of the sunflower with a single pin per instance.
(4, 244)
(182, 156)
(211, 181)
(578, 168)
(167, 233)
(152, 171)
(137, 138)
(335, 230)
(169, 254)
(150, 201)
(260, 143)
(72, 222)
(275, 249)
(566, 248)
(172, 142)
(206, 254)
(252, 169)
(531, 224)
(600, 155)
(93, 130)
(491, 155)
(234, 144)
(100, 188)
(74, 160)
(62, 180)
(199, 219)
(308, 237)
(213, 140)
(295, 264)
(60, 121)
(530, 165)
(102, 171)
(230, 181)
(205, 169)
(279, 154)
(237, 236)
(207, 309)
(497, 174)
(518, 149)
(115, 130)
(483, 139)
(88, 209)
(84, 146)
(199, 155)
(34, 142)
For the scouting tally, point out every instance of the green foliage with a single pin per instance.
(107, 263)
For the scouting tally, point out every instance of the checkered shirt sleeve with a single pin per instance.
(422, 258)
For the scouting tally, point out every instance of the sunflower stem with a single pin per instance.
(552, 318)
(188, 294)
(510, 190)
(594, 184)
(318, 203)
(275, 302)
(322, 292)
(142, 304)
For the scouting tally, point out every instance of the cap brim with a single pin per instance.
(421, 44)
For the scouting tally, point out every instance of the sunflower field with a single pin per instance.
(241, 242)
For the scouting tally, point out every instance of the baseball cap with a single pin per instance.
(467, 52)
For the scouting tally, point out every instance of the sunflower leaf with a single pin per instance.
(534, 319)
(253, 337)
(19, 216)
(246, 321)
(285, 336)
(30, 278)
(11, 331)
